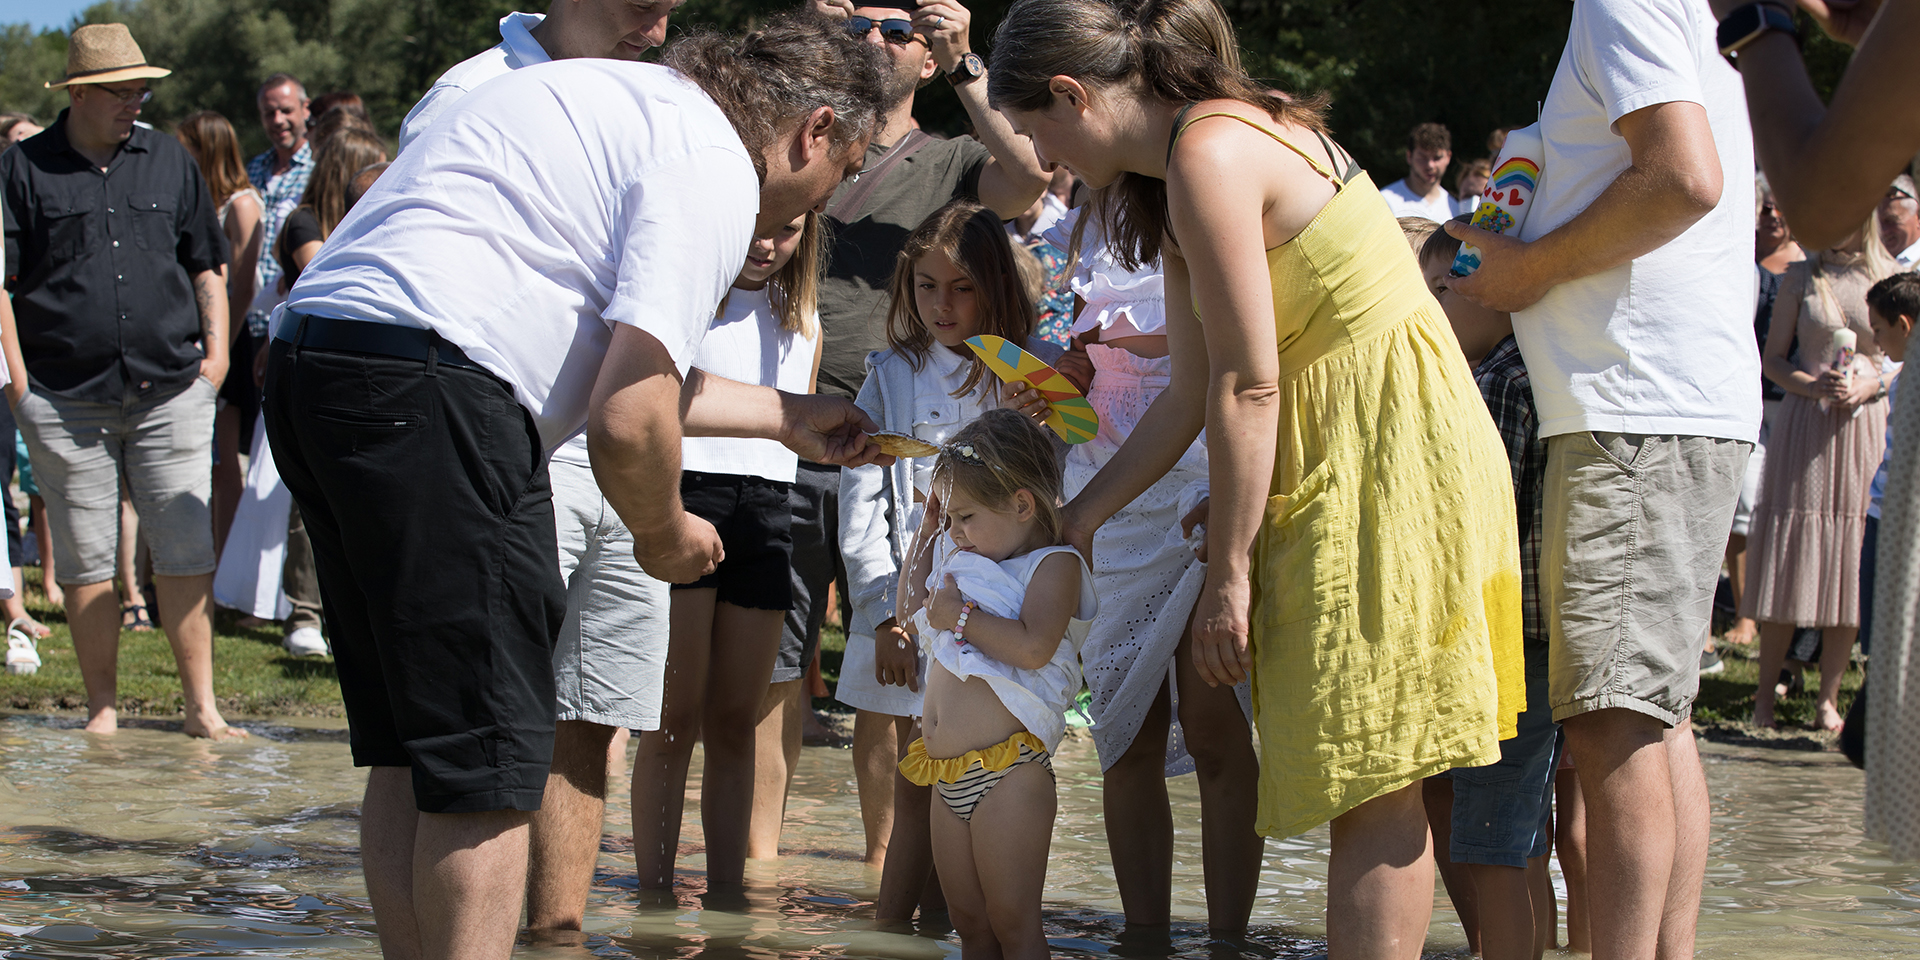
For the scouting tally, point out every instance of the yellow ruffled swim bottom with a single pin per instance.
(964, 781)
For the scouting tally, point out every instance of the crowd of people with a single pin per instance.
(572, 421)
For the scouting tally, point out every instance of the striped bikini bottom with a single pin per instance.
(963, 781)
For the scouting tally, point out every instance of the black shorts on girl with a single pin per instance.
(754, 521)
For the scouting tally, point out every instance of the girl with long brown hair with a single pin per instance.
(955, 278)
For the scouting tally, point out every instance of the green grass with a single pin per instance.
(252, 674)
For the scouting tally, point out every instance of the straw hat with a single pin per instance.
(105, 53)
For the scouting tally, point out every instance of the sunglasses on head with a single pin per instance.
(895, 30)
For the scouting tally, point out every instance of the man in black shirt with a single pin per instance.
(116, 342)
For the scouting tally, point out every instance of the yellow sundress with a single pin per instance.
(1386, 575)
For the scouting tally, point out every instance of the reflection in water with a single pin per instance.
(149, 845)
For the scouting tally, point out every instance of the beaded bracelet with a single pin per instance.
(960, 626)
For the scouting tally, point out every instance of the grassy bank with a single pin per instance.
(255, 677)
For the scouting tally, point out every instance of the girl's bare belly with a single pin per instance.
(962, 715)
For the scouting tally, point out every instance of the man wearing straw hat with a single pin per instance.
(116, 341)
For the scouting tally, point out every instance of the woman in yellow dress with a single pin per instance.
(1364, 566)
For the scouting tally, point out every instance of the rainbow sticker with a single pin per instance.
(1071, 416)
(1503, 208)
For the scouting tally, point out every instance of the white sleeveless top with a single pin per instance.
(1039, 699)
(746, 344)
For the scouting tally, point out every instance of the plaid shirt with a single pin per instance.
(1503, 382)
(280, 195)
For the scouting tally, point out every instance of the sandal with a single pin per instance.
(31, 627)
(133, 616)
(23, 655)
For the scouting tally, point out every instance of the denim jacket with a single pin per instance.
(874, 499)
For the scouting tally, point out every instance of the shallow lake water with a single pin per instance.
(147, 844)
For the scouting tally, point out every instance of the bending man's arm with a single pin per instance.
(1673, 181)
(633, 439)
(1830, 164)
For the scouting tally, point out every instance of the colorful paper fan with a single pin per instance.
(1072, 417)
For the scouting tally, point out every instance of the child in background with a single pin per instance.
(1007, 610)
(1892, 306)
(1500, 813)
(956, 278)
(1417, 230)
(724, 629)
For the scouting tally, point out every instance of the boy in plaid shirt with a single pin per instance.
(1500, 824)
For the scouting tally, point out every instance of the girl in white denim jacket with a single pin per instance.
(956, 278)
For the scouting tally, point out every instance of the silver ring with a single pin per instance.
(938, 19)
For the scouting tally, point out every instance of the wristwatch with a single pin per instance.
(1751, 22)
(969, 69)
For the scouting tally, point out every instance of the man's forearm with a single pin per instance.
(210, 299)
(1019, 167)
(1830, 165)
(633, 442)
(713, 406)
(1638, 213)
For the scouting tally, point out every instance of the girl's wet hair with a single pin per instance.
(998, 454)
(1179, 51)
(974, 239)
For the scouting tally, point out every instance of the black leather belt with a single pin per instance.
(381, 339)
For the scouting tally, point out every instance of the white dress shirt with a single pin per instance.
(517, 48)
(541, 209)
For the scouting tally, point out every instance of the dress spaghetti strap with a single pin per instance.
(1180, 128)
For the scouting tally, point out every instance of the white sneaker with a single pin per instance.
(23, 655)
(306, 642)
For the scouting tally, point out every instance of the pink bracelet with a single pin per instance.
(960, 626)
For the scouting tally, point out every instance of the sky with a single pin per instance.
(42, 13)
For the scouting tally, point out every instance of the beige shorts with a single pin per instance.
(1636, 529)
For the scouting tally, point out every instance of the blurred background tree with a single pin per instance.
(1473, 65)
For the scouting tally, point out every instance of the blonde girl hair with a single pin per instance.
(795, 293)
(972, 237)
(999, 454)
(1874, 259)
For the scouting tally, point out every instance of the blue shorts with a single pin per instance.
(1500, 811)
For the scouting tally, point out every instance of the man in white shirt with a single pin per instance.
(547, 255)
(606, 29)
(1419, 193)
(610, 661)
(1899, 218)
(1633, 293)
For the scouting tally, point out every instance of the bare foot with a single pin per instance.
(1763, 716)
(214, 729)
(103, 720)
(1743, 632)
(1827, 717)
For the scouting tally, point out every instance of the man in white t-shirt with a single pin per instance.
(606, 29)
(1419, 193)
(1633, 298)
(610, 661)
(546, 256)
(1899, 217)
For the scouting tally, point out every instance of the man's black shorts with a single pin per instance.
(425, 494)
(753, 519)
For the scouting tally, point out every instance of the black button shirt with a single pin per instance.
(101, 263)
